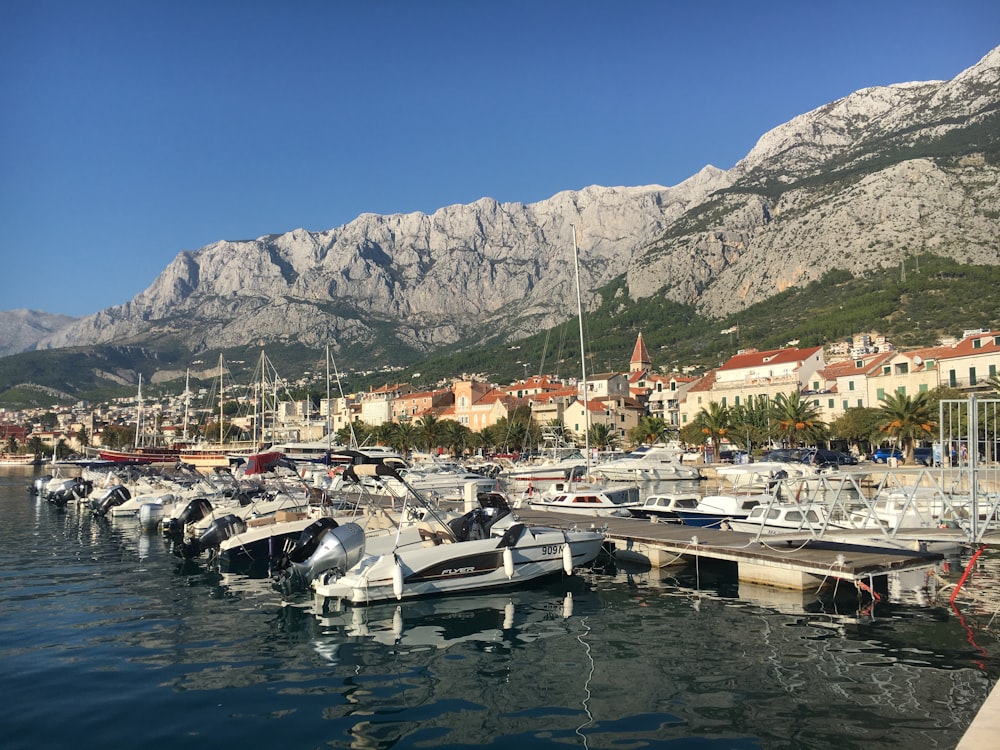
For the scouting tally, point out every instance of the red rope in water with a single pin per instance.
(965, 573)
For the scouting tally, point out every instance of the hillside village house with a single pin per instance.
(376, 404)
(478, 406)
(863, 380)
(753, 373)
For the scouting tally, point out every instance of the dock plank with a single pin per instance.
(823, 558)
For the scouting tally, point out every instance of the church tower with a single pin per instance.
(640, 357)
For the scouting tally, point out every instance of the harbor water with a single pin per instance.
(109, 640)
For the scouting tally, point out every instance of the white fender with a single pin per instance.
(397, 580)
(508, 616)
(567, 558)
(397, 623)
(508, 562)
(568, 605)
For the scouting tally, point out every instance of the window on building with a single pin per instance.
(844, 403)
(736, 400)
(952, 379)
(829, 403)
(972, 376)
(977, 344)
(993, 371)
(924, 388)
(901, 390)
(861, 402)
(886, 370)
(850, 385)
(815, 385)
(880, 393)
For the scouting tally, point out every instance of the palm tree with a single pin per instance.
(750, 423)
(906, 418)
(603, 436)
(403, 438)
(455, 436)
(797, 421)
(714, 423)
(648, 430)
(430, 430)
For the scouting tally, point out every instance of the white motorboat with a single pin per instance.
(784, 517)
(664, 507)
(648, 463)
(590, 501)
(741, 488)
(485, 548)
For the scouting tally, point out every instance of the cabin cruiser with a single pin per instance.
(589, 500)
(648, 463)
(664, 507)
(485, 548)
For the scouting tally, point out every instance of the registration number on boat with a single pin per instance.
(552, 549)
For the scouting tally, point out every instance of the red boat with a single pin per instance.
(141, 455)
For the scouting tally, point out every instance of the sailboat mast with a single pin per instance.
(583, 353)
(138, 416)
(329, 420)
(221, 389)
(260, 442)
(187, 401)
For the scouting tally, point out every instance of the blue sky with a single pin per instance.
(131, 131)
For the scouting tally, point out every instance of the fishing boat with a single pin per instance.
(485, 548)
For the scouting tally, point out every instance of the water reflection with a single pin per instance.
(98, 620)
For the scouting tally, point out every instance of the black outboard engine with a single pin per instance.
(193, 512)
(217, 532)
(323, 546)
(111, 498)
(71, 489)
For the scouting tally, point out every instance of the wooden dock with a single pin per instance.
(787, 561)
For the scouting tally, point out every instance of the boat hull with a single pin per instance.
(477, 565)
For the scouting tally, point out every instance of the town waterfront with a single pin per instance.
(107, 639)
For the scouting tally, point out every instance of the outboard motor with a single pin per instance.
(193, 512)
(323, 546)
(39, 485)
(150, 516)
(71, 489)
(217, 532)
(111, 498)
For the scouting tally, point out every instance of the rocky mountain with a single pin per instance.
(859, 183)
(20, 330)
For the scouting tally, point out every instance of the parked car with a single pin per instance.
(924, 456)
(826, 457)
(882, 455)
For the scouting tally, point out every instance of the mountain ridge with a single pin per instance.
(859, 183)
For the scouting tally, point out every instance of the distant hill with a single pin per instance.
(927, 298)
(21, 330)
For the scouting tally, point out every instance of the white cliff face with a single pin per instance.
(436, 278)
(862, 182)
